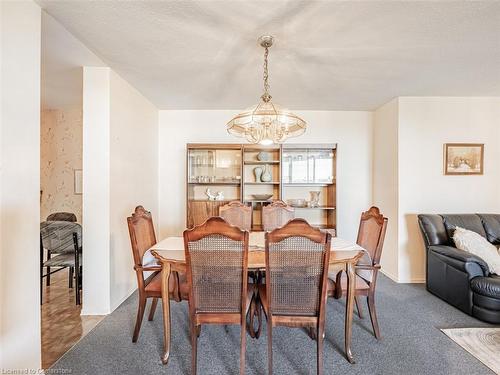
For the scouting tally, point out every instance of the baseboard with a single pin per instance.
(402, 281)
(124, 298)
(113, 308)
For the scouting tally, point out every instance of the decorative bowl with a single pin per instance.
(264, 156)
(262, 197)
(297, 202)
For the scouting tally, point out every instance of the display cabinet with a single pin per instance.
(303, 176)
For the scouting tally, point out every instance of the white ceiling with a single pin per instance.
(328, 55)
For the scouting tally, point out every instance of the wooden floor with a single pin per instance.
(62, 324)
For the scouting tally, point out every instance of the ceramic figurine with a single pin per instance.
(314, 198)
(266, 176)
(263, 156)
(218, 197)
(257, 172)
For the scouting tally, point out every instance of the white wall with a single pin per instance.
(425, 124)
(96, 191)
(385, 180)
(134, 176)
(19, 185)
(352, 131)
(120, 167)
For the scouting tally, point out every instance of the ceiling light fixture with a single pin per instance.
(266, 123)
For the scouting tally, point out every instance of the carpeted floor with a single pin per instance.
(410, 320)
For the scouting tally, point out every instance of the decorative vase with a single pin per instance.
(263, 156)
(314, 198)
(257, 172)
(266, 176)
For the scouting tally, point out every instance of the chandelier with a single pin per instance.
(266, 123)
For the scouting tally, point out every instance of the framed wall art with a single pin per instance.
(463, 158)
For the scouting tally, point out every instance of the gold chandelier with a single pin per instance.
(266, 123)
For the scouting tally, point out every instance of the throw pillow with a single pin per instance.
(476, 244)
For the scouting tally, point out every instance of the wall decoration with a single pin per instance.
(463, 158)
(78, 178)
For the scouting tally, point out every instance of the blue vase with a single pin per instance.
(266, 176)
(257, 172)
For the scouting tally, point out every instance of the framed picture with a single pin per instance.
(78, 177)
(463, 158)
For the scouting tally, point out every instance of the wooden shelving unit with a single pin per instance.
(295, 171)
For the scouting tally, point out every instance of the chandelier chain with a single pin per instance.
(266, 96)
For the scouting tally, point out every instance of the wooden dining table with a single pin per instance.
(169, 252)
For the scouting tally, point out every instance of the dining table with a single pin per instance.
(170, 254)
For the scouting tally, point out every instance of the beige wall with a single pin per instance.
(61, 154)
(408, 170)
(352, 131)
(385, 180)
(19, 185)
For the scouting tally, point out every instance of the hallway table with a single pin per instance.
(169, 252)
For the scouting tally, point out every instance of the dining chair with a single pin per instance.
(217, 272)
(237, 214)
(297, 258)
(60, 216)
(371, 234)
(276, 214)
(142, 238)
(63, 242)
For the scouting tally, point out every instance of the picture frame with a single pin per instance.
(78, 181)
(463, 159)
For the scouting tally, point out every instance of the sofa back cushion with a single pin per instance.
(491, 224)
(467, 221)
(433, 229)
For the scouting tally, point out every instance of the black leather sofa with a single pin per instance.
(458, 277)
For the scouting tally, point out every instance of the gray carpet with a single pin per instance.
(410, 319)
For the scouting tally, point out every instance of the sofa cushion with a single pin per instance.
(486, 286)
(491, 224)
(467, 221)
(476, 244)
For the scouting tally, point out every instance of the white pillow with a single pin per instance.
(476, 244)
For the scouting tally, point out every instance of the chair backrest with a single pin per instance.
(276, 214)
(237, 214)
(57, 236)
(297, 258)
(62, 216)
(142, 233)
(371, 233)
(217, 261)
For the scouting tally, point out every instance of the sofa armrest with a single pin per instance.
(462, 260)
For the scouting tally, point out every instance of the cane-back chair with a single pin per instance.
(237, 214)
(297, 258)
(276, 214)
(217, 272)
(142, 238)
(371, 234)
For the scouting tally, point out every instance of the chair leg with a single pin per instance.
(138, 322)
(70, 277)
(243, 347)
(77, 284)
(194, 347)
(270, 346)
(358, 307)
(152, 309)
(48, 270)
(319, 354)
(373, 315)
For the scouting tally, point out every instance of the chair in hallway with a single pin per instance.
(237, 214)
(371, 234)
(217, 270)
(142, 237)
(60, 216)
(276, 214)
(297, 258)
(63, 242)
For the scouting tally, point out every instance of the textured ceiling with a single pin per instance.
(328, 55)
